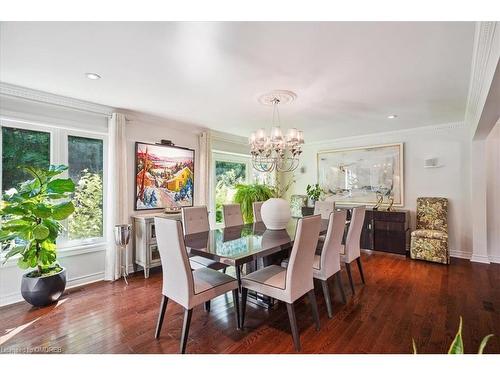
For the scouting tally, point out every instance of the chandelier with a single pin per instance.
(276, 151)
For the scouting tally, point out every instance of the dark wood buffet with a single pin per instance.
(387, 231)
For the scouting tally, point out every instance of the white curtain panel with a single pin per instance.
(204, 162)
(118, 197)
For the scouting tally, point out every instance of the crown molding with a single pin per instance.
(53, 99)
(227, 137)
(485, 58)
(431, 128)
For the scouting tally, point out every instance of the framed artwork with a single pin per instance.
(164, 177)
(362, 175)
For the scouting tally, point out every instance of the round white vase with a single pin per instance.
(275, 213)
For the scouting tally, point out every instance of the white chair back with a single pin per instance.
(299, 274)
(232, 215)
(178, 281)
(257, 217)
(330, 254)
(195, 219)
(324, 208)
(352, 242)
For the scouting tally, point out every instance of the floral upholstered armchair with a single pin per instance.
(430, 240)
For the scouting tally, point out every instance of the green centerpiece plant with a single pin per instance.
(30, 225)
(247, 194)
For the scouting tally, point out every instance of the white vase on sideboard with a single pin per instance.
(276, 213)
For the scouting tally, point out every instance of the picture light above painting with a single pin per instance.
(164, 177)
(363, 175)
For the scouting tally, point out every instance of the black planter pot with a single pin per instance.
(42, 291)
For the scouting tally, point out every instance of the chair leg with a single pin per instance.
(314, 307)
(293, 326)
(238, 277)
(360, 266)
(348, 269)
(326, 292)
(207, 306)
(236, 302)
(161, 315)
(244, 293)
(340, 284)
(185, 329)
(224, 269)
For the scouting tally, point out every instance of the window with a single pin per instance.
(83, 152)
(228, 170)
(227, 175)
(85, 161)
(22, 147)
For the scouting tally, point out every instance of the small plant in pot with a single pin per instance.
(313, 193)
(30, 225)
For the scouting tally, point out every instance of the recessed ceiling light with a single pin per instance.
(93, 76)
(392, 116)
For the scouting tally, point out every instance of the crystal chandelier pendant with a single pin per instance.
(277, 151)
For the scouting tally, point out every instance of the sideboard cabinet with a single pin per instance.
(386, 231)
(146, 252)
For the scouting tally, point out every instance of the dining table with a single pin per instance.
(244, 244)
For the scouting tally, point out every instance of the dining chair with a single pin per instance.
(187, 287)
(232, 215)
(324, 208)
(352, 249)
(289, 284)
(327, 264)
(195, 220)
(257, 217)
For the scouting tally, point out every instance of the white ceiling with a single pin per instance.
(348, 75)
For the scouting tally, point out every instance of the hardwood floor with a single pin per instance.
(403, 299)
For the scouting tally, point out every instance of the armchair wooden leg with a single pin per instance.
(314, 307)
(185, 329)
(244, 293)
(328, 302)
(348, 269)
(236, 302)
(161, 315)
(207, 306)
(293, 326)
(340, 284)
(360, 266)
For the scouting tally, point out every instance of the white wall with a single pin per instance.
(493, 193)
(450, 143)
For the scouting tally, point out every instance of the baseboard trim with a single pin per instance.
(460, 254)
(480, 259)
(494, 258)
(12, 298)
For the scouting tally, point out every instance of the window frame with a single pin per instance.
(59, 155)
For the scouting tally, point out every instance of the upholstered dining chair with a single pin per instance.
(327, 264)
(257, 217)
(289, 284)
(195, 220)
(188, 288)
(352, 248)
(324, 208)
(430, 239)
(232, 215)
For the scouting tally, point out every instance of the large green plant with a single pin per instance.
(30, 218)
(457, 346)
(246, 194)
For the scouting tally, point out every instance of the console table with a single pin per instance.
(146, 252)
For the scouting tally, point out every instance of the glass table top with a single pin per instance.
(240, 244)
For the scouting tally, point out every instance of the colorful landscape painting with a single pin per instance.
(164, 177)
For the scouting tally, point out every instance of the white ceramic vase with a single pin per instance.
(275, 213)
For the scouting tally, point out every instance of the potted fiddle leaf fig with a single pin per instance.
(30, 225)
